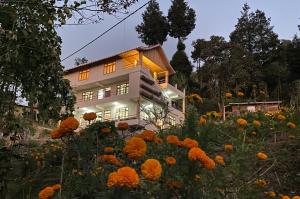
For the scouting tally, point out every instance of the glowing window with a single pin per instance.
(109, 68)
(83, 75)
(122, 113)
(122, 89)
(87, 96)
(107, 115)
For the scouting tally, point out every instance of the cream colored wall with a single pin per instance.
(154, 56)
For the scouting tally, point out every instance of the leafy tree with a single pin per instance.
(181, 19)
(154, 28)
(79, 61)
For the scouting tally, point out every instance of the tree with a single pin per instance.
(181, 62)
(181, 19)
(79, 61)
(154, 28)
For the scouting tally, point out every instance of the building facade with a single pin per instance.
(127, 87)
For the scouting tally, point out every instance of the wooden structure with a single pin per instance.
(237, 108)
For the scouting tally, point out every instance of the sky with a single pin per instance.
(214, 17)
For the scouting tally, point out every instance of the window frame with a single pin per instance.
(124, 114)
(109, 68)
(105, 114)
(123, 88)
(87, 96)
(83, 75)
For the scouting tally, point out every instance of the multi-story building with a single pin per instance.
(122, 87)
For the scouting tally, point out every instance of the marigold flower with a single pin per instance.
(57, 133)
(69, 124)
(173, 184)
(158, 140)
(197, 178)
(253, 133)
(285, 197)
(241, 122)
(135, 148)
(291, 125)
(123, 177)
(170, 160)
(261, 156)
(202, 120)
(209, 163)
(108, 149)
(172, 139)
(296, 197)
(148, 135)
(105, 130)
(228, 147)
(281, 117)
(220, 160)
(190, 143)
(111, 159)
(256, 123)
(180, 144)
(228, 95)
(196, 98)
(240, 94)
(196, 154)
(261, 182)
(123, 126)
(89, 116)
(46, 193)
(56, 187)
(271, 194)
(151, 169)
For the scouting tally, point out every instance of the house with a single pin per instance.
(118, 87)
(271, 106)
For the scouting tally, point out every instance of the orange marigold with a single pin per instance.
(219, 159)
(281, 117)
(151, 169)
(196, 154)
(135, 148)
(208, 163)
(105, 130)
(241, 122)
(296, 197)
(228, 95)
(228, 147)
(108, 149)
(271, 194)
(158, 140)
(57, 133)
(170, 160)
(190, 143)
(172, 139)
(123, 126)
(111, 159)
(123, 177)
(256, 123)
(202, 120)
(291, 125)
(261, 182)
(180, 144)
(285, 197)
(261, 156)
(46, 193)
(69, 124)
(148, 135)
(89, 116)
(56, 187)
(240, 94)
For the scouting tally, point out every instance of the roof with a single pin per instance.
(254, 103)
(118, 56)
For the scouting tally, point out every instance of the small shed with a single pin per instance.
(237, 108)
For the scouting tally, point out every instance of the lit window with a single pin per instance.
(87, 96)
(84, 74)
(122, 113)
(122, 89)
(99, 116)
(104, 92)
(109, 68)
(171, 120)
(107, 115)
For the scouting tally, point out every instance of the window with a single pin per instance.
(104, 92)
(87, 96)
(109, 68)
(122, 113)
(84, 74)
(107, 115)
(122, 89)
(99, 116)
(171, 120)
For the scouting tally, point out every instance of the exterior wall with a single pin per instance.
(237, 109)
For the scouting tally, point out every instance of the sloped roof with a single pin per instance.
(118, 56)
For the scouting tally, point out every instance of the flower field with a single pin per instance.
(255, 155)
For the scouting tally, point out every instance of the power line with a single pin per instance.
(105, 32)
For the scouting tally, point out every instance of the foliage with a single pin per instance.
(155, 28)
(79, 61)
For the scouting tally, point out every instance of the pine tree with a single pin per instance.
(181, 19)
(154, 28)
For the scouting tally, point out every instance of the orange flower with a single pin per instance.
(256, 123)
(296, 197)
(111, 159)
(123, 126)
(228, 147)
(208, 163)
(285, 197)
(281, 118)
(148, 135)
(197, 178)
(105, 130)
(108, 149)
(151, 169)
(158, 140)
(261, 156)
(170, 160)
(261, 182)
(220, 160)
(202, 120)
(135, 148)
(240, 94)
(291, 125)
(56, 187)
(228, 95)
(271, 194)
(190, 143)
(46, 193)
(57, 133)
(123, 177)
(172, 139)
(89, 116)
(253, 133)
(196, 154)
(69, 124)
(180, 144)
(241, 122)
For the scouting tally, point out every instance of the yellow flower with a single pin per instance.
(46, 193)
(256, 123)
(261, 156)
(291, 125)
(228, 95)
(202, 120)
(281, 117)
(172, 139)
(241, 122)
(240, 94)
(123, 177)
(220, 160)
(228, 147)
(135, 148)
(271, 194)
(89, 116)
(261, 182)
(190, 143)
(151, 169)
(123, 126)
(170, 160)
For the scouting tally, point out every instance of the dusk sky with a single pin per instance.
(214, 17)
